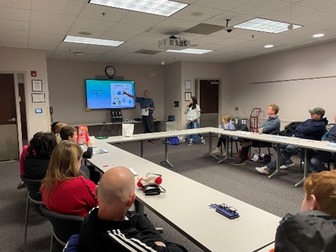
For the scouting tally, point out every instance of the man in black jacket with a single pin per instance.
(314, 229)
(110, 227)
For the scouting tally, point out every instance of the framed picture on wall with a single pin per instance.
(187, 96)
(187, 84)
(37, 86)
(38, 98)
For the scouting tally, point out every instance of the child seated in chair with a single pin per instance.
(226, 125)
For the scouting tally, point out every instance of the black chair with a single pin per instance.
(63, 226)
(332, 161)
(259, 145)
(34, 199)
(236, 140)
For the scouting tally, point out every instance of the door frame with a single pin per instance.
(197, 83)
(17, 105)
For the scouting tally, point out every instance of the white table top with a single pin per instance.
(304, 143)
(185, 207)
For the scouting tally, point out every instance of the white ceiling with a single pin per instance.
(43, 24)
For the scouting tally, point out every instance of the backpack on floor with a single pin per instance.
(174, 140)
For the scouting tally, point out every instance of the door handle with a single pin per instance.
(12, 119)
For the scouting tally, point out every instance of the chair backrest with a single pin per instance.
(330, 125)
(241, 126)
(72, 244)
(64, 226)
(33, 186)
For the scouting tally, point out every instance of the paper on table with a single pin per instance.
(144, 112)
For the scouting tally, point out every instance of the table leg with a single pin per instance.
(141, 148)
(209, 153)
(277, 164)
(226, 151)
(166, 161)
(305, 168)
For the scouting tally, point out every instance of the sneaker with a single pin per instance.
(239, 162)
(190, 142)
(263, 170)
(202, 141)
(217, 150)
(285, 166)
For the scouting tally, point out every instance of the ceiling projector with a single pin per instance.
(173, 43)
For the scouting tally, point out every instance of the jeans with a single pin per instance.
(193, 125)
(316, 160)
(148, 123)
(286, 152)
(222, 140)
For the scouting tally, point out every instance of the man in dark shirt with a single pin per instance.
(317, 158)
(147, 109)
(110, 227)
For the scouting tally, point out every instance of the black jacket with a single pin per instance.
(310, 231)
(34, 167)
(138, 233)
(311, 129)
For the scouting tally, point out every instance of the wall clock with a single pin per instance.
(110, 71)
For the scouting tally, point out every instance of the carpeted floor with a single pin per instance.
(277, 195)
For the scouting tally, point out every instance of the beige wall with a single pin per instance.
(314, 67)
(206, 71)
(172, 91)
(293, 97)
(67, 90)
(24, 61)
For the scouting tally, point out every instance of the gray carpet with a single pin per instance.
(277, 195)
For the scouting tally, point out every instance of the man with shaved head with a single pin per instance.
(111, 227)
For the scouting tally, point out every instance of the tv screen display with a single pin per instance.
(108, 94)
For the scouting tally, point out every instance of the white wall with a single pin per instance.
(172, 91)
(206, 71)
(67, 90)
(293, 97)
(24, 61)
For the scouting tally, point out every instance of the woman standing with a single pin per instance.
(63, 189)
(193, 112)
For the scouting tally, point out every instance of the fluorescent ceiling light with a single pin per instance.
(190, 51)
(157, 7)
(92, 41)
(265, 25)
(268, 46)
(318, 35)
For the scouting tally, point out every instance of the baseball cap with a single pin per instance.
(318, 111)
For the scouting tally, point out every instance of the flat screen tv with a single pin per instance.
(108, 94)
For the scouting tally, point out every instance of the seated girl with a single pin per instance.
(39, 151)
(227, 125)
(63, 189)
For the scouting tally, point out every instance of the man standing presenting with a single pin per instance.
(147, 109)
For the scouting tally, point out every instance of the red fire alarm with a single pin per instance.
(33, 73)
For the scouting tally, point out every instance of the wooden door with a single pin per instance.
(9, 147)
(208, 100)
